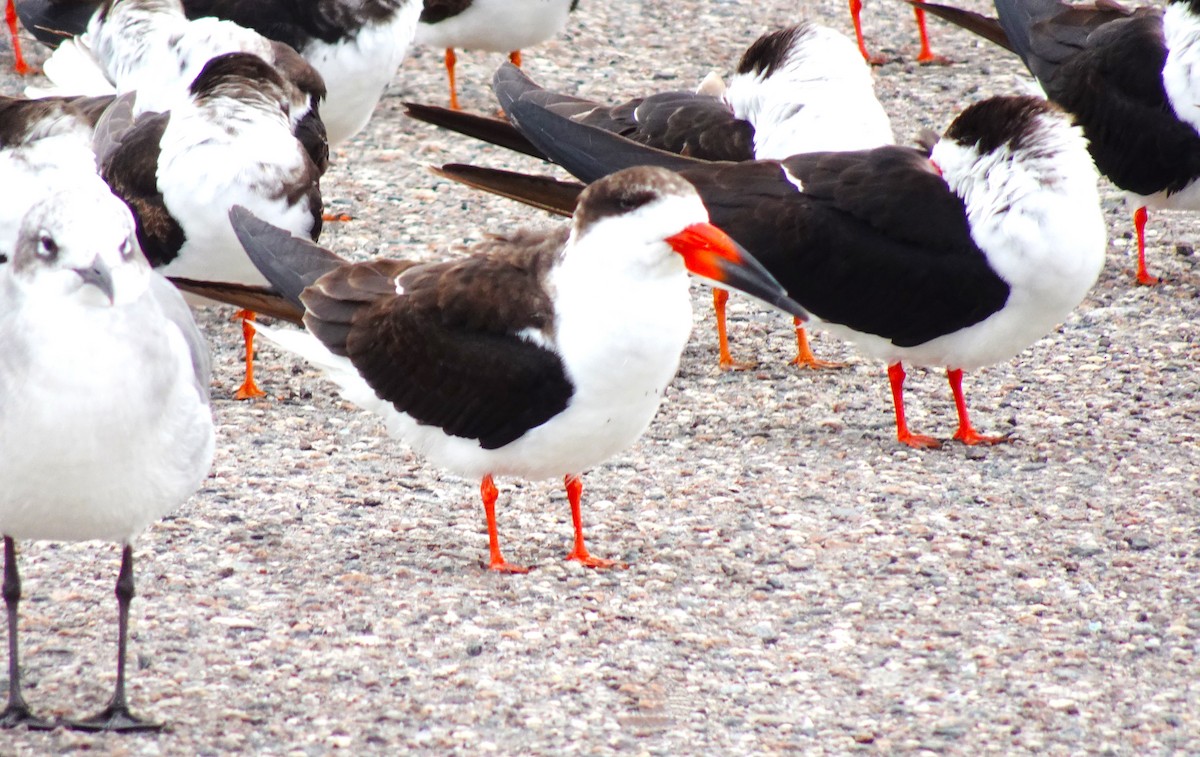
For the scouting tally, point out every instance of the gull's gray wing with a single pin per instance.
(175, 310)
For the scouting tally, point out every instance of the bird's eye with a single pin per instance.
(47, 247)
(126, 249)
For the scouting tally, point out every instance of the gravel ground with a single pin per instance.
(798, 582)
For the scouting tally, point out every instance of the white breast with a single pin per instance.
(498, 25)
(102, 429)
(357, 70)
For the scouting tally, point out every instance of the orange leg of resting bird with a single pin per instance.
(926, 54)
(487, 491)
(804, 354)
(452, 61)
(966, 433)
(1140, 216)
(896, 377)
(248, 389)
(579, 553)
(10, 15)
(856, 18)
(724, 360)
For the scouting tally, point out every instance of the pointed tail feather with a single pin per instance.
(289, 263)
(494, 131)
(543, 192)
(258, 299)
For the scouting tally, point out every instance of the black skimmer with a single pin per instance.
(104, 410)
(1127, 77)
(958, 258)
(502, 26)
(924, 55)
(512, 361)
(230, 143)
(356, 46)
(151, 48)
(800, 89)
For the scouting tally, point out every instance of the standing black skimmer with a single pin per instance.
(229, 144)
(512, 361)
(799, 89)
(960, 258)
(1127, 77)
(356, 45)
(925, 55)
(501, 26)
(104, 411)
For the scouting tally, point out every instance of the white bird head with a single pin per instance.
(80, 244)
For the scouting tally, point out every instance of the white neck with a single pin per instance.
(1181, 72)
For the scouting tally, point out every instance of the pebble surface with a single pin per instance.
(798, 582)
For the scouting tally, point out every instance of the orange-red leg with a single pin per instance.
(896, 377)
(966, 433)
(804, 354)
(487, 491)
(579, 553)
(10, 15)
(926, 54)
(337, 217)
(724, 360)
(856, 17)
(1140, 216)
(515, 57)
(248, 389)
(451, 61)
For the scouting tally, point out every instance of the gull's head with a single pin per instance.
(80, 244)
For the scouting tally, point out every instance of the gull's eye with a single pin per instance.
(47, 247)
(126, 249)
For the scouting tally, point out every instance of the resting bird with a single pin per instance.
(104, 409)
(150, 48)
(229, 143)
(960, 258)
(1128, 78)
(511, 361)
(355, 45)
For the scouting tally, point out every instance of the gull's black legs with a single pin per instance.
(17, 712)
(116, 716)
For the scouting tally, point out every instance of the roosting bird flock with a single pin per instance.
(181, 143)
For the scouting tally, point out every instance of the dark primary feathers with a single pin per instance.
(447, 351)
(875, 233)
